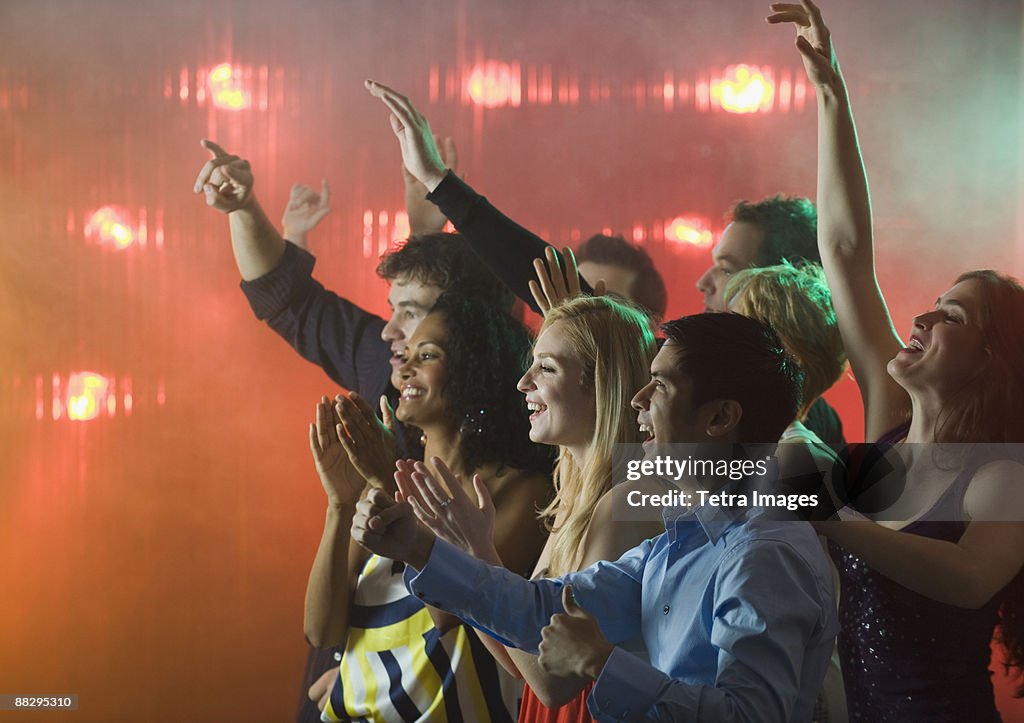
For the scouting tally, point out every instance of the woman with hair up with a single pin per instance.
(591, 356)
(404, 661)
(796, 303)
(926, 579)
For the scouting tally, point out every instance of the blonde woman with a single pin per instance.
(796, 302)
(591, 356)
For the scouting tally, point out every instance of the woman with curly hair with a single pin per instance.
(935, 562)
(404, 661)
(591, 356)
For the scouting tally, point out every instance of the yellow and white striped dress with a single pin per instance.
(398, 667)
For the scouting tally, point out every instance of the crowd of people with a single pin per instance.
(478, 561)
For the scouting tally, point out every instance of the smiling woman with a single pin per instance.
(925, 582)
(403, 660)
(457, 383)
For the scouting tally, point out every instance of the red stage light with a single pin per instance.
(110, 225)
(493, 85)
(88, 393)
(688, 230)
(226, 90)
(743, 89)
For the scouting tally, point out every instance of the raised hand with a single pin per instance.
(572, 644)
(370, 444)
(389, 528)
(554, 287)
(813, 39)
(342, 483)
(225, 180)
(424, 216)
(306, 208)
(419, 150)
(450, 513)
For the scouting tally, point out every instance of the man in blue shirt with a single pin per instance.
(736, 607)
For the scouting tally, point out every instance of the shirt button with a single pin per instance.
(337, 657)
(665, 609)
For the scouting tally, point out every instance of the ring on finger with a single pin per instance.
(445, 502)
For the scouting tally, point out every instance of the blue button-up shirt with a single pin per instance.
(737, 611)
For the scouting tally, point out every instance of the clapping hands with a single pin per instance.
(447, 510)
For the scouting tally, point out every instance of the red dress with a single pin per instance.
(575, 711)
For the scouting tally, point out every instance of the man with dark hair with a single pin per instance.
(777, 229)
(351, 345)
(790, 226)
(627, 270)
(725, 645)
(757, 360)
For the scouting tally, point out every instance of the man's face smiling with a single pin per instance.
(410, 300)
(665, 405)
(736, 250)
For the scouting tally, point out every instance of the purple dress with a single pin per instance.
(906, 657)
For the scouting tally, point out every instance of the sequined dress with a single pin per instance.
(906, 657)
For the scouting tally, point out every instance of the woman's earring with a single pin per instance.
(472, 423)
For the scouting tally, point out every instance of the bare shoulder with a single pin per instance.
(518, 484)
(608, 534)
(996, 492)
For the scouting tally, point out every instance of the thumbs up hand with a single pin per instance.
(572, 644)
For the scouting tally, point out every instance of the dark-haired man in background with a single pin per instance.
(627, 270)
(766, 233)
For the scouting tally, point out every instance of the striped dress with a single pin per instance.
(398, 667)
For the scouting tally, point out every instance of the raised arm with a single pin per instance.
(328, 330)
(424, 216)
(306, 208)
(227, 182)
(505, 247)
(845, 226)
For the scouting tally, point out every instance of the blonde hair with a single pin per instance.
(797, 304)
(613, 341)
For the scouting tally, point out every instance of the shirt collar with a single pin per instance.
(711, 520)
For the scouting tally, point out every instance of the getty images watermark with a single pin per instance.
(800, 482)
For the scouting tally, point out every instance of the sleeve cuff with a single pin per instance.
(443, 578)
(454, 198)
(626, 689)
(447, 582)
(269, 294)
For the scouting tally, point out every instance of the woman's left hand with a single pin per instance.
(369, 443)
(450, 513)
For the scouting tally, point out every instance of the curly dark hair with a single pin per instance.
(447, 261)
(648, 288)
(486, 353)
(790, 226)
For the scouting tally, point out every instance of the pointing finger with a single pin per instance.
(208, 168)
(215, 150)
